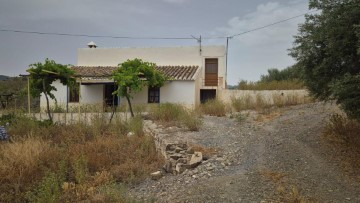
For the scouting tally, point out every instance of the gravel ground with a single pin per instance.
(281, 158)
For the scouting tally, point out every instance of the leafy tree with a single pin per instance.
(42, 75)
(133, 75)
(10, 89)
(289, 73)
(347, 92)
(327, 50)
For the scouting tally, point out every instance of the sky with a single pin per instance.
(249, 56)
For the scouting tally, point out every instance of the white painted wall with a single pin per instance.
(92, 94)
(160, 55)
(180, 92)
(60, 95)
(172, 92)
(267, 95)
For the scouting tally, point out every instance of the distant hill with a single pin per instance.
(3, 77)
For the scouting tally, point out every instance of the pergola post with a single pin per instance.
(28, 89)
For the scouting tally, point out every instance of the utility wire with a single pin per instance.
(269, 25)
(92, 36)
(151, 38)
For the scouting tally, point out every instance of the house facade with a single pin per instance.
(197, 74)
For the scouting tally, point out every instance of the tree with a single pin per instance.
(133, 75)
(42, 75)
(12, 88)
(289, 73)
(327, 49)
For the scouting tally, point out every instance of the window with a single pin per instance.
(211, 72)
(211, 66)
(154, 95)
(74, 93)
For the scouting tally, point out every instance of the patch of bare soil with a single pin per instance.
(279, 159)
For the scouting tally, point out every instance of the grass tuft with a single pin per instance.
(73, 163)
(174, 114)
(214, 108)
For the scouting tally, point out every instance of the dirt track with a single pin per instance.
(277, 159)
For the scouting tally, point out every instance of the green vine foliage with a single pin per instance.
(133, 75)
(44, 74)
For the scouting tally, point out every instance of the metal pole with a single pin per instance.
(226, 65)
(28, 80)
(79, 99)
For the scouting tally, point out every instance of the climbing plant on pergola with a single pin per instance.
(42, 75)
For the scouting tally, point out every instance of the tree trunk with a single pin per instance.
(113, 109)
(47, 102)
(131, 110)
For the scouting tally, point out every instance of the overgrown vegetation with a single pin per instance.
(286, 79)
(54, 163)
(175, 114)
(343, 134)
(344, 130)
(214, 107)
(331, 64)
(259, 102)
(13, 93)
(271, 85)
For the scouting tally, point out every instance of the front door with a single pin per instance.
(211, 72)
(109, 98)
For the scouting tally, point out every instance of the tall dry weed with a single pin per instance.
(214, 108)
(29, 164)
(178, 115)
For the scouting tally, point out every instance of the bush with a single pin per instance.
(166, 112)
(214, 108)
(7, 119)
(271, 85)
(347, 93)
(174, 114)
(91, 157)
(191, 120)
(242, 103)
(344, 129)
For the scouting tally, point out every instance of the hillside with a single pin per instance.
(3, 77)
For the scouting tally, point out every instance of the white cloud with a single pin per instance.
(265, 48)
(265, 14)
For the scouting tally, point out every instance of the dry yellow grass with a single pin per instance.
(285, 191)
(74, 162)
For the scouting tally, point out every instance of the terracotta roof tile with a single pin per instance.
(174, 72)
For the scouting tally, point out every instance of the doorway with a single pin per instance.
(109, 98)
(206, 95)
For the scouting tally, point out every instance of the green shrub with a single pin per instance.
(80, 168)
(136, 125)
(343, 128)
(175, 114)
(166, 112)
(7, 119)
(347, 93)
(191, 120)
(271, 85)
(214, 108)
(50, 187)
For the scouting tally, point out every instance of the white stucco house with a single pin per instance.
(197, 74)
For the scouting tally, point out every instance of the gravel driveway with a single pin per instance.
(278, 159)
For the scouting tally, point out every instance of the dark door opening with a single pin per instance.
(207, 95)
(109, 98)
